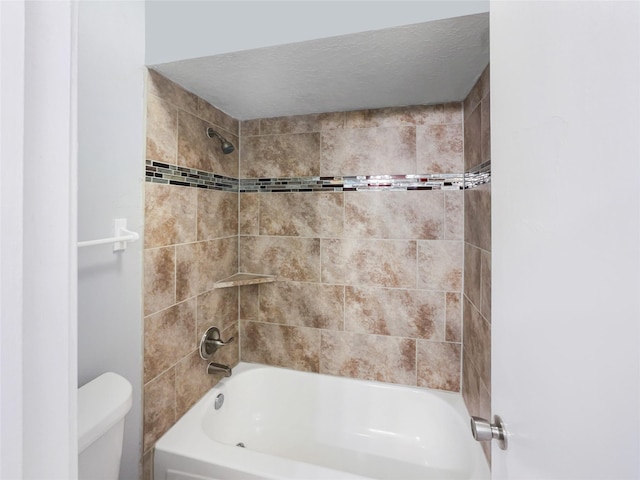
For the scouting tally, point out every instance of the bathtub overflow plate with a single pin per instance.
(219, 401)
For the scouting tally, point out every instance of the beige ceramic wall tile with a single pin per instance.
(218, 260)
(249, 127)
(369, 357)
(477, 216)
(292, 258)
(440, 148)
(470, 385)
(187, 271)
(436, 114)
(162, 130)
(289, 155)
(159, 407)
(300, 123)
(200, 265)
(440, 264)
(197, 150)
(305, 304)
(400, 313)
(477, 93)
(384, 263)
(405, 215)
(439, 365)
(476, 396)
(405, 116)
(217, 214)
(472, 140)
(331, 120)
(485, 409)
(395, 116)
(249, 216)
(472, 270)
(172, 92)
(147, 465)
(485, 285)
(159, 279)
(291, 124)
(249, 302)
(369, 151)
(378, 118)
(218, 119)
(313, 214)
(485, 128)
(170, 215)
(453, 331)
(280, 345)
(217, 308)
(454, 215)
(169, 336)
(477, 341)
(192, 381)
(452, 113)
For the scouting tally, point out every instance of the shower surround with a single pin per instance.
(371, 281)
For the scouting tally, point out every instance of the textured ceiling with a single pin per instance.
(425, 63)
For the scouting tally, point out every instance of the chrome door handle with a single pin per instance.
(484, 431)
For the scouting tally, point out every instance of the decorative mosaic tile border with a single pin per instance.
(478, 175)
(157, 172)
(353, 183)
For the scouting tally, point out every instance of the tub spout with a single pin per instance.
(218, 367)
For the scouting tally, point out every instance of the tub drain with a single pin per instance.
(240, 444)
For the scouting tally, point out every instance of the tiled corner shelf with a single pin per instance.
(240, 279)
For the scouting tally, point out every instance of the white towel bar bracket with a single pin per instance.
(119, 241)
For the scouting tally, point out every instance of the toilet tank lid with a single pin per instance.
(102, 403)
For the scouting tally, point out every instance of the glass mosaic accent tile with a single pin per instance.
(478, 175)
(158, 172)
(353, 183)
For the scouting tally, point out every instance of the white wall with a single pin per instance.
(565, 122)
(110, 185)
(12, 32)
(179, 30)
(37, 241)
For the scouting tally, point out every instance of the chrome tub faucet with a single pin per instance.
(218, 367)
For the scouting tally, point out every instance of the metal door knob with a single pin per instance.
(484, 431)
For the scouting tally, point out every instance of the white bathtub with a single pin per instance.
(297, 425)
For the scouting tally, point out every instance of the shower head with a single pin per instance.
(227, 146)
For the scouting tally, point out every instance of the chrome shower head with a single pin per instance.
(227, 146)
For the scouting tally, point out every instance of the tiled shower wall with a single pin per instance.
(371, 280)
(476, 384)
(190, 243)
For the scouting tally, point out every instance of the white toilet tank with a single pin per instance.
(102, 405)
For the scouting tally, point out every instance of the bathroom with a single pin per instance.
(111, 334)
